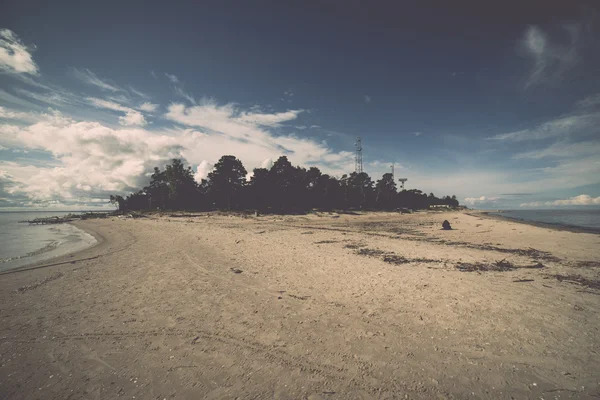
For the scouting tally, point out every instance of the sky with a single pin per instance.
(496, 103)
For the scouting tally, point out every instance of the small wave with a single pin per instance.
(49, 247)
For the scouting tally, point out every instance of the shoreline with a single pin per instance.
(61, 258)
(99, 239)
(557, 227)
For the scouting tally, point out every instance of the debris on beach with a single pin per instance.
(577, 280)
(66, 218)
(587, 264)
(370, 252)
(236, 270)
(497, 266)
(396, 259)
(354, 246)
(392, 258)
(35, 285)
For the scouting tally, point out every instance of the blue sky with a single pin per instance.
(497, 104)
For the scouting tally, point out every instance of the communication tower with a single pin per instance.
(358, 163)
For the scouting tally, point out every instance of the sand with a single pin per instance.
(325, 306)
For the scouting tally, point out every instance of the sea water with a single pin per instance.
(22, 244)
(579, 218)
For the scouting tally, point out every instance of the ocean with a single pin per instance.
(578, 218)
(22, 244)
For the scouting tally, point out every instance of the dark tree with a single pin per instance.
(183, 190)
(260, 190)
(288, 186)
(226, 181)
(359, 190)
(283, 188)
(385, 190)
(157, 191)
(119, 201)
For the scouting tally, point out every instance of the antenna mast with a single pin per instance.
(358, 163)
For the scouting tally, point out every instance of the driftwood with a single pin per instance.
(65, 218)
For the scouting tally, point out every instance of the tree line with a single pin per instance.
(283, 188)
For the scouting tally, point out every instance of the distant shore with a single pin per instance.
(559, 227)
(376, 305)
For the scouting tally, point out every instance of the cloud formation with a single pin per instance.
(563, 150)
(473, 201)
(581, 200)
(562, 126)
(172, 78)
(92, 161)
(131, 117)
(203, 170)
(148, 107)
(15, 57)
(550, 60)
(17, 115)
(90, 78)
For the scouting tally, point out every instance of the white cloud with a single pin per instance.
(245, 134)
(272, 120)
(472, 201)
(203, 170)
(267, 163)
(17, 115)
(549, 60)
(367, 99)
(87, 76)
(172, 78)
(138, 93)
(563, 126)
(100, 103)
(131, 117)
(581, 200)
(212, 116)
(148, 107)
(14, 55)
(53, 96)
(563, 150)
(181, 93)
(417, 133)
(590, 101)
(92, 161)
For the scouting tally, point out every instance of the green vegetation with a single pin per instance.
(281, 189)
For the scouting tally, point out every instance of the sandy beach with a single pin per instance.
(322, 306)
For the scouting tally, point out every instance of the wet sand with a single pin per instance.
(323, 306)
